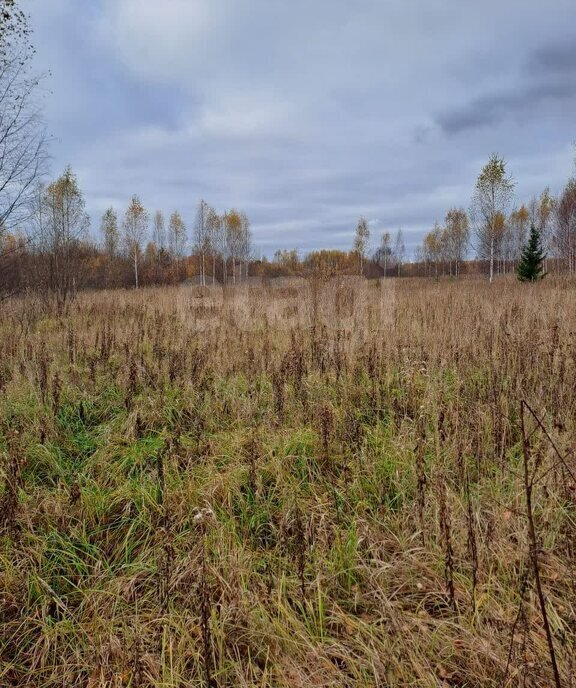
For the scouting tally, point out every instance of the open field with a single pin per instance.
(314, 485)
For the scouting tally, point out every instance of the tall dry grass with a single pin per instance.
(317, 484)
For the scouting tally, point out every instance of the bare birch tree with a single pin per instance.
(245, 244)
(213, 229)
(22, 134)
(361, 242)
(384, 252)
(492, 195)
(399, 251)
(458, 236)
(202, 238)
(565, 226)
(65, 222)
(233, 229)
(177, 237)
(159, 230)
(136, 221)
(110, 233)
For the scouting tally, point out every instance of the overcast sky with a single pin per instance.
(307, 113)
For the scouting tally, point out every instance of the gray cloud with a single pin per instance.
(547, 81)
(558, 59)
(520, 106)
(305, 114)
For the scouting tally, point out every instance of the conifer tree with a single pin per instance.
(530, 266)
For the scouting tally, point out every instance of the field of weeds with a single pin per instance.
(318, 484)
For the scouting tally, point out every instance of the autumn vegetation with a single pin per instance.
(331, 483)
(52, 251)
(49, 244)
(360, 474)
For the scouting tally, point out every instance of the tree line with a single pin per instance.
(45, 244)
(44, 240)
(489, 237)
(496, 234)
(56, 254)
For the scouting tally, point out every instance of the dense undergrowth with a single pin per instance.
(317, 486)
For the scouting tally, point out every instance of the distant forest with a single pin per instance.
(46, 242)
(50, 248)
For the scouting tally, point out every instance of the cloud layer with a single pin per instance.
(307, 115)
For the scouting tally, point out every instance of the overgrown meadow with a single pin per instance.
(320, 484)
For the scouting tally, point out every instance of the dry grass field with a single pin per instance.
(309, 485)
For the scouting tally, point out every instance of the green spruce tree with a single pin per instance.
(530, 266)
